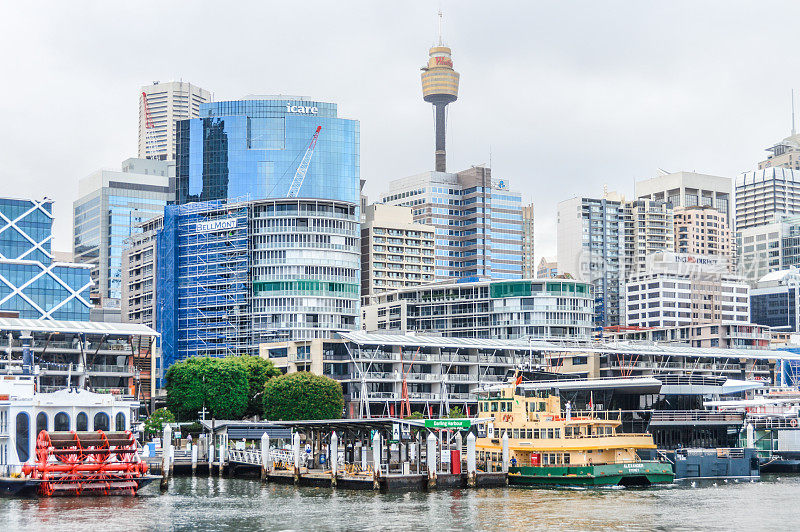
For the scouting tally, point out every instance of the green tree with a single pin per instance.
(455, 412)
(218, 384)
(259, 371)
(155, 423)
(302, 395)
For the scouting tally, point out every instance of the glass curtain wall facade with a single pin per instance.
(251, 149)
(232, 275)
(31, 284)
(111, 209)
(478, 221)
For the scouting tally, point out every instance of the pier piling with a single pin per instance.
(166, 467)
(505, 453)
(334, 457)
(264, 456)
(472, 463)
(296, 451)
(194, 460)
(376, 460)
(431, 456)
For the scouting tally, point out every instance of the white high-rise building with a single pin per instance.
(167, 102)
(686, 189)
(761, 195)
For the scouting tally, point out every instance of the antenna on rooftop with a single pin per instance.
(793, 130)
(440, 27)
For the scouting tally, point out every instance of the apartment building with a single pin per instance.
(553, 309)
(703, 230)
(686, 189)
(396, 251)
(765, 194)
(528, 249)
(138, 274)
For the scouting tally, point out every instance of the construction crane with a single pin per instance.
(149, 130)
(300, 175)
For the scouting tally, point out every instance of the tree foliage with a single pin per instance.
(218, 384)
(155, 423)
(259, 371)
(456, 412)
(302, 396)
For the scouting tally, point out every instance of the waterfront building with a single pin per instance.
(591, 248)
(547, 269)
(745, 335)
(477, 220)
(138, 302)
(775, 302)
(105, 357)
(396, 251)
(448, 371)
(680, 289)
(553, 309)
(167, 103)
(252, 149)
(109, 209)
(528, 248)
(686, 189)
(783, 154)
(768, 248)
(440, 88)
(702, 230)
(766, 194)
(232, 275)
(32, 284)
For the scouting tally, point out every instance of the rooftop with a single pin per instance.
(85, 327)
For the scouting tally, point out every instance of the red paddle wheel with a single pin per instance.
(87, 463)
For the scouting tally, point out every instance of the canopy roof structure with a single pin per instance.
(84, 327)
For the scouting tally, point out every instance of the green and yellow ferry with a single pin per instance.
(548, 447)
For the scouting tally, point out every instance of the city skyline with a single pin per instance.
(608, 99)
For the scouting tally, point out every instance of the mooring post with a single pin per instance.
(194, 460)
(296, 450)
(165, 444)
(211, 456)
(221, 453)
(376, 460)
(456, 460)
(472, 462)
(264, 456)
(505, 454)
(364, 458)
(334, 457)
(431, 456)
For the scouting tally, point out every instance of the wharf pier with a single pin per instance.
(384, 454)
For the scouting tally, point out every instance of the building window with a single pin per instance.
(82, 422)
(61, 422)
(41, 422)
(120, 422)
(101, 421)
(23, 435)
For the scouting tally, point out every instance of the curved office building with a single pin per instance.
(252, 148)
(232, 275)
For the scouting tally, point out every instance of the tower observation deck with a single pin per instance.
(440, 88)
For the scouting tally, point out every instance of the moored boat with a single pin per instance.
(549, 447)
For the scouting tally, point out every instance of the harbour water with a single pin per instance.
(214, 503)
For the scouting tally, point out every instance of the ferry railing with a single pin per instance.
(694, 415)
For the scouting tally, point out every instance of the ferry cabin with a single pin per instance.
(24, 413)
(539, 435)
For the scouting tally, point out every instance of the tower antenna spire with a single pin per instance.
(440, 26)
(793, 129)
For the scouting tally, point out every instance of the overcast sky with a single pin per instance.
(570, 96)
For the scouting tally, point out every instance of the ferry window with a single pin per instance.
(557, 433)
(533, 434)
(540, 406)
(41, 422)
(494, 406)
(567, 432)
(515, 432)
(566, 458)
(61, 422)
(82, 422)
(550, 433)
(101, 421)
(120, 422)
(23, 430)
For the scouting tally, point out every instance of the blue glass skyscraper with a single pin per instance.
(251, 149)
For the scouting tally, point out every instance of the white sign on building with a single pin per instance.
(216, 225)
